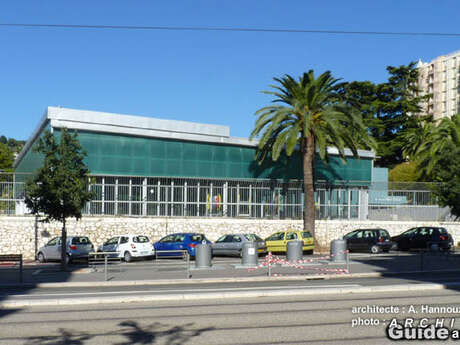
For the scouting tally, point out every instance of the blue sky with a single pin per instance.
(209, 77)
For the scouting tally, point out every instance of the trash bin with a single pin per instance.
(294, 250)
(249, 255)
(203, 255)
(338, 250)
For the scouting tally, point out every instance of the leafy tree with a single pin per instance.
(447, 173)
(311, 117)
(3, 140)
(59, 188)
(388, 109)
(404, 172)
(6, 158)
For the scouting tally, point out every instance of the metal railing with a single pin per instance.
(270, 199)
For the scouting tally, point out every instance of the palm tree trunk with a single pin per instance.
(308, 150)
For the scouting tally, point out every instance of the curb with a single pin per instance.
(224, 295)
(185, 281)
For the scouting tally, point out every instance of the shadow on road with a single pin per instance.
(418, 267)
(131, 331)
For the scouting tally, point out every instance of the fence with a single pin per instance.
(189, 197)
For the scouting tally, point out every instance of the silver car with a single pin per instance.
(232, 244)
(78, 247)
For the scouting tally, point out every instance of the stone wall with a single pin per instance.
(17, 234)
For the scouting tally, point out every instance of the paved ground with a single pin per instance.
(258, 321)
(227, 268)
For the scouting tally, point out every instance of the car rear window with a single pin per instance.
(306, 234)
(81, 240)
(253, 237)
(140, 239)
(442, 231)
(384, 234)
(198, 238)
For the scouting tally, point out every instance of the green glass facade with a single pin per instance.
(123, 155)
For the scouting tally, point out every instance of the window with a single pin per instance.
(113, 240)
(291, 236)
(369, 234)
(198, 238)
(221, 239)
(236, 238)
(179, 238)
(168, 239)
(306, 234)
(124, 239)
(276, 237)
(140, 239)
(384, 234)
(53, 242)
(81, 240)
(355, 234)
(252, 237)
(410, 232)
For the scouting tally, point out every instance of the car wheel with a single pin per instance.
(41, 257)
(127, 257)
(375, 249)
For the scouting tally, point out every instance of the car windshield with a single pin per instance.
(252, 237)
(140, 239)
(81, 240)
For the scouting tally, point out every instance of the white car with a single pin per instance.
(129, 246)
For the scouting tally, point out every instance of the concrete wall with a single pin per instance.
(17, 233)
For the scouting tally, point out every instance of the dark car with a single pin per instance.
(373, 240)
(424, 238)
(174, 244)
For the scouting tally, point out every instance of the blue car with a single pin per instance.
(173, 244)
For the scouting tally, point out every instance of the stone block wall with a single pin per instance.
(17, 234)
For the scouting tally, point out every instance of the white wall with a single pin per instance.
(17, 233)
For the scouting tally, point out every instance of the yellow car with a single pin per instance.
(278, 241)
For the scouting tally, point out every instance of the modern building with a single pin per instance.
(142, 166)
(441, 78)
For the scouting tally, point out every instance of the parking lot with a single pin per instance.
(230, 267)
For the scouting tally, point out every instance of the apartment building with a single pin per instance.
(441, 78)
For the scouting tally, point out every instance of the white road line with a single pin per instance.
(37, 272)
(290, 287)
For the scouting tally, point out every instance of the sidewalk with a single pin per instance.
(167, 271)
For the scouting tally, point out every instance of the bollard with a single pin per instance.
(203, 255)
(249, 254)
(338, 250)
(294, 250)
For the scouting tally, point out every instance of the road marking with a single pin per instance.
(290, 287)
(37, 272)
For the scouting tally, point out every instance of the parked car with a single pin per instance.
(77, 247)
(232, 244)
(277, 242)
(373, 240)
(129, 247)
(425, 237)
(174, 244)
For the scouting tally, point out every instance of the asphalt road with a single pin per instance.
(286, 320)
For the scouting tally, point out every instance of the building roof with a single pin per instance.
(95, 121)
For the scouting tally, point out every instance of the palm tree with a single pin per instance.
(437, 140)
(311, 117)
